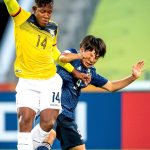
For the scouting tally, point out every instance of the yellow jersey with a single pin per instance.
(36, 48)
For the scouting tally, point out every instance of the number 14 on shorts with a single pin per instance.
(56, 97)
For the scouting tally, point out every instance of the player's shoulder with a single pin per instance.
(52, 25)
(71, 50)
(52, 28)
(92, 70)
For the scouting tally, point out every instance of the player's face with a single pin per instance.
(90, 61)
(43, 14)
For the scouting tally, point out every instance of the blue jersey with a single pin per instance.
(72, 87)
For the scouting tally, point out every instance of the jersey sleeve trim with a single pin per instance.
(14, 15)
(12, 6)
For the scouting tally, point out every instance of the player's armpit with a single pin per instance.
(56, 53)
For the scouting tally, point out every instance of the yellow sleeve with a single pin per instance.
(56, 54)
(19, 15)
(12, 7)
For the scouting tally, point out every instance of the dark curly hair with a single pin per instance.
(41, 3)
(91, 43)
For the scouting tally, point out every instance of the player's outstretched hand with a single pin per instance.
(137, 69)
(86, 78)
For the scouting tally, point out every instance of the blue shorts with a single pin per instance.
(67, 132)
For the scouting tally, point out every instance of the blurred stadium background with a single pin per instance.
(108, 120)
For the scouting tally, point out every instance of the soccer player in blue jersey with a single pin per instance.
(66, 129)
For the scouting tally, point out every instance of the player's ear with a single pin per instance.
(34, 8)
(81, 50)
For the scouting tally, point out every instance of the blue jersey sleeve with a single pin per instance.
(97, 80)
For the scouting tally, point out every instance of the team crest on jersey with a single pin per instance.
(79, 68)
(52, 32)
(89, 71)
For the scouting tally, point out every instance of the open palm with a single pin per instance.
(137, 69)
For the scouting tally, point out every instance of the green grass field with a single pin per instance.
(125, 27)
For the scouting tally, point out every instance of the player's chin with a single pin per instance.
(87, 65)
(43, 24)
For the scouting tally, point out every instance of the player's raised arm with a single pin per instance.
(18, 14)
(12, 7)
(119, 84)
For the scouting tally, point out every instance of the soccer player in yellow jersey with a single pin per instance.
(39, 86)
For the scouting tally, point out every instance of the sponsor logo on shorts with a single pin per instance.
(56, 105)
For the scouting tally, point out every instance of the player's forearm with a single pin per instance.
(56, 55)
(68, 57)
(117, 85)
(12, 7)
(66, 66)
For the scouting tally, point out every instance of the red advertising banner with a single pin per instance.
(136, 120)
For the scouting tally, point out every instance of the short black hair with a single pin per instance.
(91, 43)
(41, 3)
